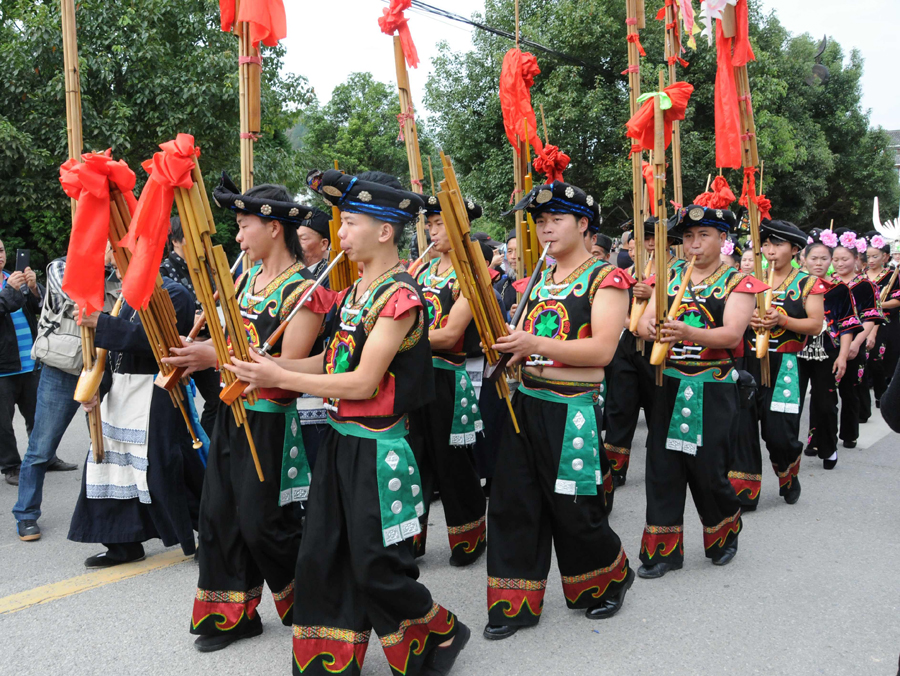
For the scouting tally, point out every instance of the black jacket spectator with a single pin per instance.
(11, 300)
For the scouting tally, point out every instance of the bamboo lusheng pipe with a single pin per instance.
(89, 380)
(201, 320)
(673, 46)
(638, 306)
(750, 160)
(762, 338)
(661, 234)
(473, 275)
(885, 292)
(346, 272)
(637, 182)
(660, 349)
(205, 261)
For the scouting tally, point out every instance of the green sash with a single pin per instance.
(786, 388)
(295, 473)
(466, 416)
(399, 485)
(686, 425)
(579, 468)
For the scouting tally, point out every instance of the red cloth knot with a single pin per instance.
(393, 20)
(551, 162)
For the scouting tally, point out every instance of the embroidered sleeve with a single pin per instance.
(839, 312)
(321, 301)
(749, 284)
(399, 302)
(868, 303)
(609, 277)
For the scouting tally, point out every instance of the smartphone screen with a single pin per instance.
(23, 259)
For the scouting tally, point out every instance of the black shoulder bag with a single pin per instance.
(746, 382)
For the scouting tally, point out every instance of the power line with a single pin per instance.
(437, 11)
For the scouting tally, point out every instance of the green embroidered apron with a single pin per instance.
(466, 416)
(295, 473)
(786, 388)
(686, 425)
(579, 471)
(399, 484)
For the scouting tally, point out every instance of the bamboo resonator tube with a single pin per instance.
(762, 338)
(660, 349)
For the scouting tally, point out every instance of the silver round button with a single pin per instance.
(787, 379)
(415, 490)
(294, 452)
(474, 408)
(685, 412)
(577, 464)
(602, 387)
(790, 365)
(292, 472)
(396, 506)
(578, 443)
(464, 419)
(787, 393)
(412, 470)
(394, 484)
(462, 381)
(464, 401)
(684, 428)
(734, 376)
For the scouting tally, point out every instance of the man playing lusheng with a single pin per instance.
(551, 480)
(355, 572)
(694, 422)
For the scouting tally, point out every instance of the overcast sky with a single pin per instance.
(326, 47)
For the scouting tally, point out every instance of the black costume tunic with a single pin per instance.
(174, 472)
(883, 357)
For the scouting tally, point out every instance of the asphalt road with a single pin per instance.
(813, 590)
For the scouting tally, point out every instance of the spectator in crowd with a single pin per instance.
(504, 283)
(602, 247)
(58, 349)
(20, 301)
(315, 241)
(625, 258)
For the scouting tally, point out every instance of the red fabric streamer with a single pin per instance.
(632, 69)
(763, 204)
(720, 197)
(267, 20)
(728, 115)
(743, 52)
(552, 163)
(146, 239)
(392, 20)
(640, 127)
(516, 79)
(647, 172)
(88, 182)
(636, 39)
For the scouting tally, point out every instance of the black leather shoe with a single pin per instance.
(498, 632)
(793, 493)
(657, 570)
(469, 558)
(810, 451)
(58, 465)
(878, 403)
(12, 477)
(28, 530)
(209, 644)
(727, 554)
(829, 464)
(850, 444)
(440, 661)
(618, 480)
(111, 558)
(609, 607)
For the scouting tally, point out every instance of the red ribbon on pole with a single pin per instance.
(728, 114)
(88, 183)
(516, 78)
(640, 127)
(720, 197)
(551, 162)
(749, 189)
(267, 19)
(146, 239)
(647, 173)
(393, 20)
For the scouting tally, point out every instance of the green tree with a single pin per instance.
(149, 71)
(822, 158)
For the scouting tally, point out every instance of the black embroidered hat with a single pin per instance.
(485, 239)
(318, 222)
(650, 227)
(227, 196)
(782, 230)
(695, 215)
(604, 241)
(674, 234)
(433, 206)
(383, 202)
(560, 197)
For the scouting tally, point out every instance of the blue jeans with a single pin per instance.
(53, 413)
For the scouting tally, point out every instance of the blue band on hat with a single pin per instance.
(563, 206)
(388, 214)
(349, 188)
(718, 225)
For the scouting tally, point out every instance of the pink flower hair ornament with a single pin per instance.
(828, 238)
(861, 245)
(877, 242)
(848, 240)
(727, 248)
